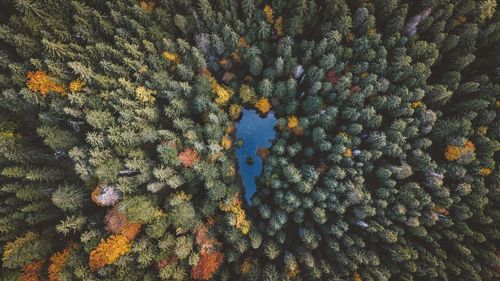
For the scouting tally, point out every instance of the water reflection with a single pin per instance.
(255, 131)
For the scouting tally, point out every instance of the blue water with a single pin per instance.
(256, 132)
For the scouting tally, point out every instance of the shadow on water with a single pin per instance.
(255, 131)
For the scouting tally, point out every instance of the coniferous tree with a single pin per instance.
(117, 138)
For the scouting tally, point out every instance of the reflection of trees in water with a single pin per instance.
(256, 132)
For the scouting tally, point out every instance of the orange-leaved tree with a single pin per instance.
(108, 251)
(188, 157)
(207, 265)
(41, 82)
(58, 261)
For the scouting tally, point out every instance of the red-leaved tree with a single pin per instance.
(207, 265)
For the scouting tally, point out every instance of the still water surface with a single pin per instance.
(255, 131)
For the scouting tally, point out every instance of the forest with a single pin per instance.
(131, 146)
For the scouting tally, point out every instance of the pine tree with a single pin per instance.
(115, 132)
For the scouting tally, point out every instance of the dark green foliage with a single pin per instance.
(384, 166)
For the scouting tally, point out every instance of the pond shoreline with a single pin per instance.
(256, 132)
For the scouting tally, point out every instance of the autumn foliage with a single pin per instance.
(76, 85)
(222, 93)
(173, 57)
(416, 104)
(207, 265)
(355, 89)
(332, 77)
(364, 134)
(108, 251)
(234, 111)
(105, 195)
(347, 153)
(204, 240)
(263, 105)
(293, 124)
(117, 223)
(240, 220)
(58, 261)
(485, 171)
(41, 82)
(165, 262)
(453, 152)
(226, 142)
(145, 95)
(188, 157)
(268, 13)
(278, 26)
(440, 210)
(32, 271)
(245, 266)
(262, 152)
(148, 5)
(21, 241)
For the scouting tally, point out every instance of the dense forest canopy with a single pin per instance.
(117, 140)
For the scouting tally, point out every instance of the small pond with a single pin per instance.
(255, 131)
